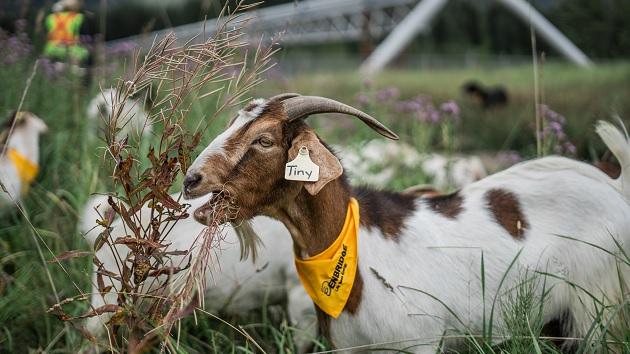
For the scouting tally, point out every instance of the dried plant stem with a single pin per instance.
(29, 81)
(154, 290)
(538, 117)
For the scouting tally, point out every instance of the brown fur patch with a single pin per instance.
(352, 306)
(613, 170)
(384, 210)
(354, 300)
(15, 120)
(449, 205)
(323, 321)
(507, 212)
(422, 191)
(250, 106)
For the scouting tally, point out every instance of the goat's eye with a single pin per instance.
(265, 142)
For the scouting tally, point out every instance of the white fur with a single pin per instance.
(442, 257)
(233, 286)
(133, 120)
(25, 140)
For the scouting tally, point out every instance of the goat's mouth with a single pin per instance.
(219, 209)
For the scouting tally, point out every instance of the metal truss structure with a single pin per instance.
(324, 21)
(303, 22)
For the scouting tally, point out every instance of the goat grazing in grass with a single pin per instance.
(19, 162)
(386, 267)
(234, 287)
(134, 118)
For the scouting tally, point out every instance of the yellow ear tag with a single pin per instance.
(301, 168)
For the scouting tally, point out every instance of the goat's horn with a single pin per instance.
(303, 106)
(283, 96)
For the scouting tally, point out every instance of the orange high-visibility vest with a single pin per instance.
(63, 28)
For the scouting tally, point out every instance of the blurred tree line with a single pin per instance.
(601, 28)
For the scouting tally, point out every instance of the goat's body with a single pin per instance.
(131, 119)
(11, 181)
(440, 257)
(25, 141)
(434, 265)
(233, 286)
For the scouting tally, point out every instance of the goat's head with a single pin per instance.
(34, 123)
(22, 123)
(247, 161)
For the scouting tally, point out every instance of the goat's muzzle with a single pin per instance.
(191, 182)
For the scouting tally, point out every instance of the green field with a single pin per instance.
(72, 168)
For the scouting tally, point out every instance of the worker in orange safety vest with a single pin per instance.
(63, 27)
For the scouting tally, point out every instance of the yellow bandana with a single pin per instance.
(26, 169)
(328, 277)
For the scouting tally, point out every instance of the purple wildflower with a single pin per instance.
(51, 69)
(121, 49)
(17, 46)
(410, 106)
(434, 115)
(450, 107)
(508, 158)
(570, 148)
(429, 114)
(553, 130)
(362, 99)
(387, 94)
(555, 126)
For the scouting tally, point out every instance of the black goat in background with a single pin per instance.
(488, 97)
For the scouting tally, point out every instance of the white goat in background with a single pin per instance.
(19, 163)
(134, 119)
(234, 287)
(418, 260)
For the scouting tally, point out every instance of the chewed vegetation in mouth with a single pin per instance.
(219, 209)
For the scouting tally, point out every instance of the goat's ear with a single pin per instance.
(329, 166)
(39, 124)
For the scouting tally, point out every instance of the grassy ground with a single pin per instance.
(71, 169)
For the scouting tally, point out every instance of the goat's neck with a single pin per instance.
(315, 221)
(25, 143)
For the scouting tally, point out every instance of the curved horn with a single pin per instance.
(303, 106)
(283, 96)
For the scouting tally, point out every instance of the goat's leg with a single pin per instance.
(302, 315)
(97, 325)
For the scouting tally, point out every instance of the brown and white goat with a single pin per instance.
(20, 155)
(420, 258)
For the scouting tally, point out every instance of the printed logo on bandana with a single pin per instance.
(336, 279)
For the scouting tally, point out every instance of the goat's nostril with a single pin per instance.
(191, 180)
